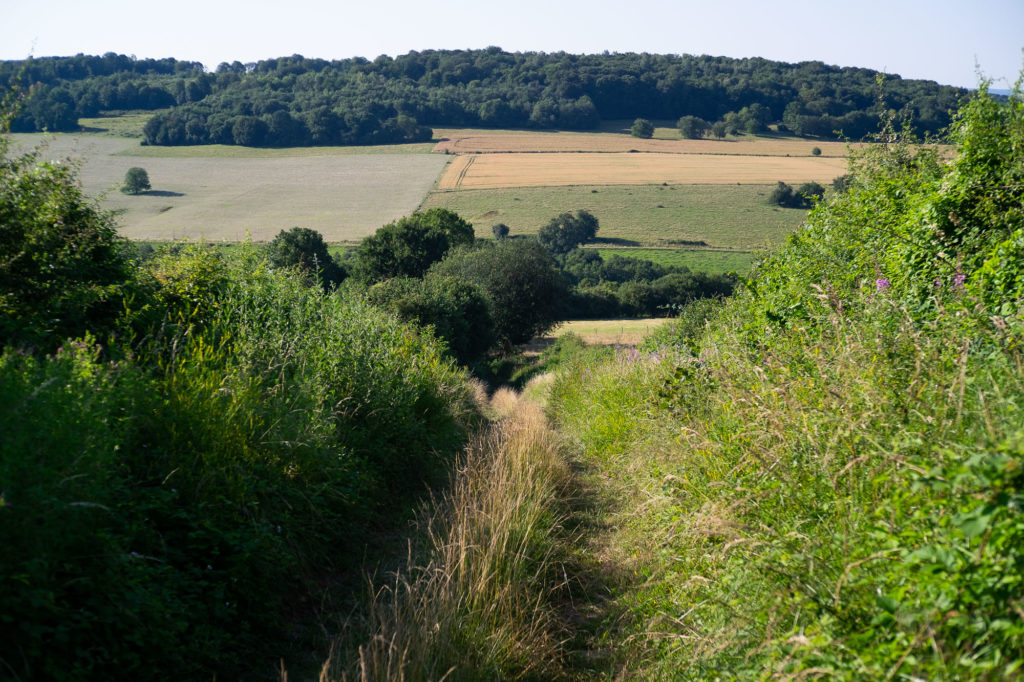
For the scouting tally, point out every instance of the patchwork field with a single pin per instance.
(676, 191)
(232, 193)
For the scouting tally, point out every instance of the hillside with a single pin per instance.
(295, 101)
(210, 462)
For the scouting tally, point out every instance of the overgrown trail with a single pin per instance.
(494, 587)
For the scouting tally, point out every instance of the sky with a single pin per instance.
(949, 41)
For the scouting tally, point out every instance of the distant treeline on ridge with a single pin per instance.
(293, 101)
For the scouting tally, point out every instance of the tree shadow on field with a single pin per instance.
(161, 193)
(613, 241)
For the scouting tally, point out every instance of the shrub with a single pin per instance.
(642, 128)
(305, 249)
(409, 246)
(457, 311)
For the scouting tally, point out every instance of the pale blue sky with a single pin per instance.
(939, 40)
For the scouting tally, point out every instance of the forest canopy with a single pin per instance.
(295, 100)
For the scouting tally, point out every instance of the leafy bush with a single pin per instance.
(456, 310)
(567, 231)
(519, 278)
(642, 128)
(409, 246)
(305, 249)
(63, 268)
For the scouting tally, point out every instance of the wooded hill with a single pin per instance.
(292, 101)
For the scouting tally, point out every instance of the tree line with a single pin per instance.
(295, 100)
(487, 296)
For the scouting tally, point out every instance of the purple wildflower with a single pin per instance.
(882, 283)
(959, 279)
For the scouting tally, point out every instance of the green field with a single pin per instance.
(727, 216)
(118, 124)
(708, 260)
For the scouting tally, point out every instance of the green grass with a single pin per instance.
(118, 123)
(728, 216)
(706, 260)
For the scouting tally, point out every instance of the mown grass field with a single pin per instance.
(609, 332)
(707, 260)
(233, 193)
(490, 171)
(730, 216)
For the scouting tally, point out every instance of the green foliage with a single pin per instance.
(172, 499)
(205, 486)
(410, 245)
(63, 268)
(500, 230)
(827, 467)
(642, 128)
(295, 100)
(305, 249)
(567, 231)
(456, 310)
(526, 291)
(136, 181)
(624, 286)
(692, 127)
(802, 197)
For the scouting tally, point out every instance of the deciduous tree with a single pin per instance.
(136, 181)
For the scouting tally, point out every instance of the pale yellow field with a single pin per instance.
(343, 196)
(610, 332)
(468, 141)
(492, 171)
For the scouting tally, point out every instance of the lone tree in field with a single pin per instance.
(642, 128)
(500, 230)
(136, 181)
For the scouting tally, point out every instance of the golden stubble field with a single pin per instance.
(469, 141)
(492, 171)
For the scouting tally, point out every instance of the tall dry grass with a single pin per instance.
(481, 604)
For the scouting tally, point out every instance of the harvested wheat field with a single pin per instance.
(491, 171)
(468, 141)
